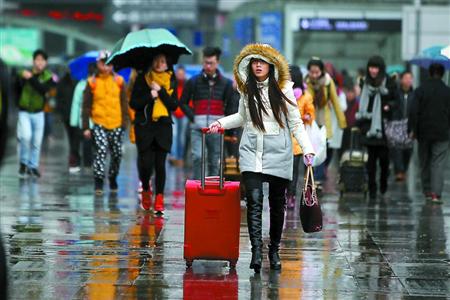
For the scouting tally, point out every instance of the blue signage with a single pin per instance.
(244, 31)
(271, 29)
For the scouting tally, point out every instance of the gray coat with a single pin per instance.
(269, 152)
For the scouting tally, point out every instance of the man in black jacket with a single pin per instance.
(211, 94)
(429, 122)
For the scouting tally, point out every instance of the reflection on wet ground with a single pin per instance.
(64, 243)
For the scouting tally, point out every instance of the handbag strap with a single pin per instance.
(305, 186)
(309, 176)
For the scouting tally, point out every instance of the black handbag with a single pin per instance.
(310, 211)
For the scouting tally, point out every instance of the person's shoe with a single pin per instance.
(113, 187)
(33, 172)
(98, 186)
(256, 261)
(274, 259)
(23, 171)
(146, 200)
(159, 204)
(435, 199)
(74, 170)
(291, 201)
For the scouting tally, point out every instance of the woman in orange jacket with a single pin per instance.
(307, 112)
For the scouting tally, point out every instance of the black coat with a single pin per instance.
(430, 115)
(390, 100)
(64, 95)
(147, 131)
(402, 108)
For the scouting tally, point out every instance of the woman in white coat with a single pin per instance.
(268, 113)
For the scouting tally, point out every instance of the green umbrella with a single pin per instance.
(137, 49)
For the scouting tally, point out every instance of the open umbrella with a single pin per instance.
(79, 66)
(137, 49)
(446, 51)
(431, 55)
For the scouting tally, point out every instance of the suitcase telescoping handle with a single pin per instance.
(354, 134)
(205, 131)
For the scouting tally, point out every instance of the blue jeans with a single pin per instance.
(30, 131)
(212, 152)
(179, 137)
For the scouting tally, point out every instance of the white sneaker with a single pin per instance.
(73, 170)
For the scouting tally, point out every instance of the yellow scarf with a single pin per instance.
(163, 79)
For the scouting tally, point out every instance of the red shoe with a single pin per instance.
(159, 203)
(435, 199)
(146, 200)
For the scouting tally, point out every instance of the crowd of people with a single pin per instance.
(272, 101)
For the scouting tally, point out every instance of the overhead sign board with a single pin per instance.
(171, 12)
(349, 25)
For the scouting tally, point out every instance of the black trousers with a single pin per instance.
(401, 159)
(153, 158)
(378, 154)
(277, 204)
(75, 137)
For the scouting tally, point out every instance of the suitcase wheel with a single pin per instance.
(189, 263)
(233, 264)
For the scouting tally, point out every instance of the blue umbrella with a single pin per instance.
(79, 66)
(431, 55)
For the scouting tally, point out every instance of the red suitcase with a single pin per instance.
(212, 216)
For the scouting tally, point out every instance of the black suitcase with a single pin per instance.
(353, 172)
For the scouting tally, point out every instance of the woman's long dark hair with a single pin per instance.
(276, 97)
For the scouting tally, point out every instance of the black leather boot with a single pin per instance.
(254, 221)
(277, 210)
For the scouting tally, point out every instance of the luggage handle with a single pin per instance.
(354, 131)
(206, 130)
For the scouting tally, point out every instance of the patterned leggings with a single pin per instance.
(105, 139)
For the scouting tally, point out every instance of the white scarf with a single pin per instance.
(375, 116)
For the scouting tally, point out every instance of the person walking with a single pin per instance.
(34, 85)
(76, 126)
(401, 111)
(180, 122)
(269, 115)
(323, 90)
(429, 122)
(307, 112)
(64, 95)
(105, 103)
(378, 95)
(153, 99)
(211, 93)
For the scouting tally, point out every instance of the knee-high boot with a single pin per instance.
(277, 211)
(254, 221)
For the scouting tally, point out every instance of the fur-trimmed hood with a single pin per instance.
(264, 52)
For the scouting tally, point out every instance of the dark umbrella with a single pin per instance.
(137, 49)
(432, 55)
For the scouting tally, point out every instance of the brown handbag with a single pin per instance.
(310, 211)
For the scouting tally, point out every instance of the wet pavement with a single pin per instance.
(65, 243)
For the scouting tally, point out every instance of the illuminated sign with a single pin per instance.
(57, 14)
(349, 25)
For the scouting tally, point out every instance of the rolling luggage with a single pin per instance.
(353, 173)
(212, 216)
